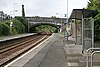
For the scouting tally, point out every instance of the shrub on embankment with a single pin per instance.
(45, 28)
(17, 27)
(24, 22)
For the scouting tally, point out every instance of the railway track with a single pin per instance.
(9, 53)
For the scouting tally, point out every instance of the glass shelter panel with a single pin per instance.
(79, 30)
(87, 33)
(87, 23)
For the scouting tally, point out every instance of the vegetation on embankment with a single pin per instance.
(16, 28)
(20, 26)
(45, 28)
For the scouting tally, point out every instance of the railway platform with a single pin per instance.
(54, 52)
(5, 38)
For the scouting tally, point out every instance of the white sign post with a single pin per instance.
(11, 24)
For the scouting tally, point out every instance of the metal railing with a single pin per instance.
(92, 53)
(92, 57)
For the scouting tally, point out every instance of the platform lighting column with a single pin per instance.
(14, 10)
(11, 23)
(67, 22)
(28, 25)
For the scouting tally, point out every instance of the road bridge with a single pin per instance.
(54, 22)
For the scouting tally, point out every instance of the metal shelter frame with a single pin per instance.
(82, 14)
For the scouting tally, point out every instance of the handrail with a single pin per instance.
(92, 57)
(88, 56)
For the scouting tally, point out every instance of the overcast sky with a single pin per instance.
(43, 8)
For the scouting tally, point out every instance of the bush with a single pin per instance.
(24, 22)
(5, 29)
(1, 29)
(17, 27)
(20, 28)
(45, 28)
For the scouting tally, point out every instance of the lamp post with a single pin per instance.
(11, 23)
(67, 23)
(12, 13)
(14, 10)
(28, 25)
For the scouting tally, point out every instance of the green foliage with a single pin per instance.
(95, 5)
(78, 22)
(18, 26)
(45, 28)
(14, 31)
(1, 29)
(37, 16)
(53, 17)
(24, 22)
(5, 29)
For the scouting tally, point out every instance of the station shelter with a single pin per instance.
(83, 30)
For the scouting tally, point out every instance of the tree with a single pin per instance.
(23, 11)
(53, 17)
(95, 5)
(5, 29)
(18, 26)
(1, 29)
(24, 22)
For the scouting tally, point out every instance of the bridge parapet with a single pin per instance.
(35, 20)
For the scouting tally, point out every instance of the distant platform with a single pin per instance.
(5, 38)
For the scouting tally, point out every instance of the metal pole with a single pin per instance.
(82, 34)
(75, 31)
(28, 25)
(10, 22)
(87, 58)
(61, 23)
(92, 59)
(67, 11)
(14, 10)
(67, 20)
(92, 22)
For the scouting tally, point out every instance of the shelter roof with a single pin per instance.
(78, 13)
